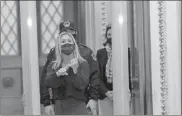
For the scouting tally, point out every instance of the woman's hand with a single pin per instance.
(109, 94)
(62, 72)
(74, 65)
(49, 110)
(92, 105)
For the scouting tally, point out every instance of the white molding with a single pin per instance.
(98, 43)
(30, 65)
(109, 11)
(120, 58)
(104, 21)
(163, 56)
(155, 55)
(166, 57)
(98, 15)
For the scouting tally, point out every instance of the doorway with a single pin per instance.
(49, 16)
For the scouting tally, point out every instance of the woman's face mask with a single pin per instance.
(67, 45)
(109, 34)
(109, 37)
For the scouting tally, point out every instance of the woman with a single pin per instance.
(67, 77)
(104, 57)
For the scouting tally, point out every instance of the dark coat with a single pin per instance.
(102, 58)
(71, 85)
(102, 61)
(92, 89)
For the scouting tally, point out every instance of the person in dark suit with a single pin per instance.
(49, 89)
(104, 58)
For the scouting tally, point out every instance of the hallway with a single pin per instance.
(150, 71)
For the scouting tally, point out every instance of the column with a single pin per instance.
(90, 25)
(30, 57)
(166, 57)
(120, 58)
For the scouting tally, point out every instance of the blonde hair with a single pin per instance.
(58, 52)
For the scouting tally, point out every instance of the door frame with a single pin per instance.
(181, 46)
(0, 79)
(142, 14)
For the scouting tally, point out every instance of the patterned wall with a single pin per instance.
(10, 36)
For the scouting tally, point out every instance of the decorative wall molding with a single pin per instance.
(98, 15)
(103, 18)
(163, 57)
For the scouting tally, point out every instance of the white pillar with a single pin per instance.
(170, 61)
(90, 25)
(120, 58)
(30, 57)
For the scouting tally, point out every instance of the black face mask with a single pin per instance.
(67, 48)
(109, 41)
